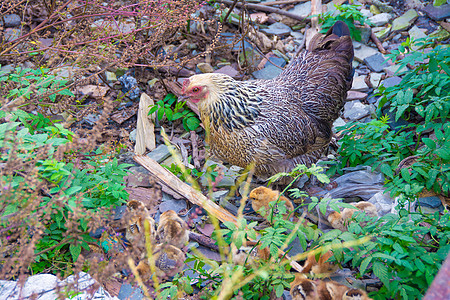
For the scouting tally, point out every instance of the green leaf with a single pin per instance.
(160, 113)
(75, 251)
(429, 143)
(72, 190)
(443, 153)
(192, 123)
(386, 170)
(364, 264)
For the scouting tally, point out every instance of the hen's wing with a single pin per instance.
(301, 104)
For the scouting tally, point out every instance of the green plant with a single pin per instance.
(174, 110)
(347, 13)
(27, 82)
(72, 192)
(402, 253)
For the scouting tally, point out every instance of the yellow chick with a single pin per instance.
(135, 230)
(169, 260)
(262, 196)
(321, 268)
(341, 220)
(172, 229)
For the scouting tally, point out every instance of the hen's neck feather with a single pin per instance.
(231, 105)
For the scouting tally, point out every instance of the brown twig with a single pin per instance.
(281, 2)
(267, 9)
(377, 41)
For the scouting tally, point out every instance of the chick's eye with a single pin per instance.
(195, 90)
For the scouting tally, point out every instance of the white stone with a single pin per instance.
(363, 51)
(366, 13)
(375, 79)
(380, 19)
(302, 10)
(359, 84)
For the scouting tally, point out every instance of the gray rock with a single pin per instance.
(365, 34)
(383, 202)
(128, 292)
(359, 84)
(228, 70)
(205, 68)
(12, 33)
(229, 175)
(133, 135)
(432, 202)
(168, 203)
(376, 62)
(415, 34)
(219, 194)
(45, 285)
(7, 69)
(339, 122)
(12, 20)
(363, 51)
(383, 33)
(380, 19)
(302, 10)
(366, 13)
(355, 110)
(297, 35)
(404, 21)
(375, 79)
(119, 211)
(440, 34)
(354, 95)
(91, 119)
(278, 29)
(110, 76)
(391, 81)
(437, 13)
(395, 69)
(268, 72)
(160, 153)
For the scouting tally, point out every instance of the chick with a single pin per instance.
(135, 230)
(341, 220)
(168, 259)
(249, 254)
(321, 268)
(262, 196)
(172, 229)
(355, 294)
(303, 289)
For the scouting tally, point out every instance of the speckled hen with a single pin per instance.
(278, 123)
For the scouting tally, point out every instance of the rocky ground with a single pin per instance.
(280, 38)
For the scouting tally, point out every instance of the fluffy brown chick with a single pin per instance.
(172, 229)
(279, 123)
(321, 268)
(135, 230)
(303, 289)
(355, 294)
(249, 254)
(169, 260)
(262, 196)
(341, 220)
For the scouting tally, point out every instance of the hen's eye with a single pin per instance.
(195, 90)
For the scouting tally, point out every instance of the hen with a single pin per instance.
(279, 123)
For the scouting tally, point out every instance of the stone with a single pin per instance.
(365, 33)
(374, 10)
(45, 286)
(433, 201)
(219, 194)
(383, 7)
(338, 123)
(119, 211)
(355, 110)
(363, 51)
(391, 81)
(375, 79)
(380, 19)
(366, 13)
(405, 21)
(130, 86)
(229, 175)
(268, 72)
(354, 95)
(395, 69)
(7, 69)
(205, 68)
(440, 35)
(133, 135)
(383, 33)
(278, 29)
(415, 34)
(110, 76)
(168, 203)
(12, 20)
(302, 10)
(91, 119)
(359, 84)
(160, 153)
(297, 35)
(412, 4)
(12, 33)
(228, 70)
(376, 62)
(127, 291)
(437, 13)
(260, 18)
